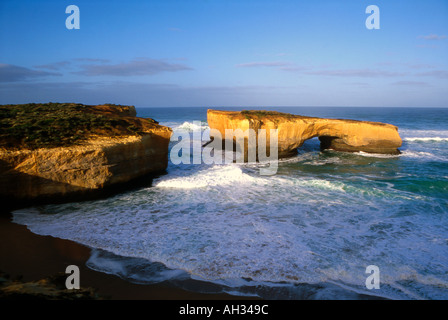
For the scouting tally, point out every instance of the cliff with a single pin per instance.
(294, 130)
(80, 150)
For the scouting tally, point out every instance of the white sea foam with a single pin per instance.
(192, 126)
(138, 270)
(377, 155)
(300, 236)
(226, 223)
(234, 177)
(426, 139)
(420, 136)
(216, 175)
(423, 133)
(416, 154)
(322, 184)
(423, 155)
(307, 242)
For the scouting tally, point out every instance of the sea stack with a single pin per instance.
(53, 152)
(294, 130)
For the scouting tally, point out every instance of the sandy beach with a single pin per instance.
(30, 257)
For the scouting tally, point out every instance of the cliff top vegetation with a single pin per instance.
(37, 125)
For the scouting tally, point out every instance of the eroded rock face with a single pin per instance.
(294, 130)
(77, 170)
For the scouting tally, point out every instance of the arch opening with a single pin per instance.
(326, 142)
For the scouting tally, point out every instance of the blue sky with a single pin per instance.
(213, 53)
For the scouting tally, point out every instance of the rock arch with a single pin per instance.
(294, 130)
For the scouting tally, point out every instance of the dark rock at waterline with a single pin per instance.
(51, 288)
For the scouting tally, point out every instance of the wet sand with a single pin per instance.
(32, 257)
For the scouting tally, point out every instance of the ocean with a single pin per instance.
(307, 232)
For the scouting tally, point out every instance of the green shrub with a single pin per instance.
(57, 124)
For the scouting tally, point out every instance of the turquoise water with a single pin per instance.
(308, 232)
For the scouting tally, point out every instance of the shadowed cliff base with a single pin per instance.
(68, 193)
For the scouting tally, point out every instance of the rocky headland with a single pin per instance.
(54, 152)
(294, 130)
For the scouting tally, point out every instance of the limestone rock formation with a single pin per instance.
(294, 130)
(97, 162)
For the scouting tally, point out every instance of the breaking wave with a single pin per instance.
(192, 126)
(426, 139)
